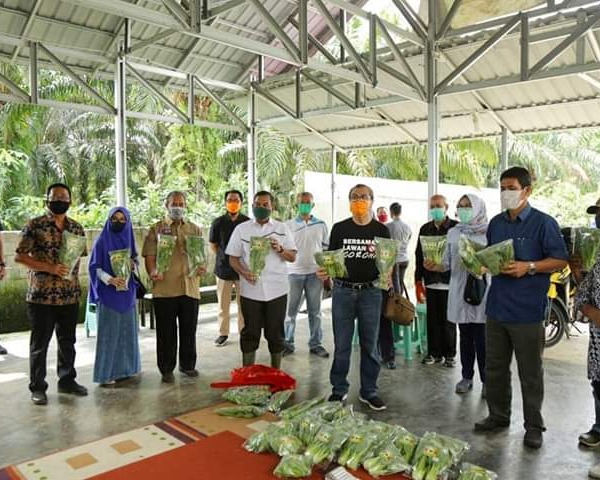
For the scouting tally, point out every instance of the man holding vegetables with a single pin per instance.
(258, 251)
(356, 297)
(53, 293)
(516, 305)
(176, 290)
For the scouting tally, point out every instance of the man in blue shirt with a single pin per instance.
(517, 303)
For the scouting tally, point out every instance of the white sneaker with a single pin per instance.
(594, 472)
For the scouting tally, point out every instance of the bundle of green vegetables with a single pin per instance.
(259, 249)
(71, 248)
(333, 263)
(433, 248)
(258, 442)
(326, 443)
(278, 400)
(474, 472)
(120, 263)
(387, 462)
(293, 466)
(467, 251)
(497, 257)
(164, 251)
(405, 441)
(248, 395)
(301, 408)
(386, 250)
(586, 246)
(357, 448)
(196, 254)
(241, 411)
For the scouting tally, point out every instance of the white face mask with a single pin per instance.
(510, 199)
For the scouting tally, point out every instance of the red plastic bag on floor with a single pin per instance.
(259, 375)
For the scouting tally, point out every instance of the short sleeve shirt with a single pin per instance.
(272, 282)
(310, 237)
(41, 240)
(220, 233)
(176, 282)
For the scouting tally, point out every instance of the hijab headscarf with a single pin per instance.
(479, 223)
(107, 242)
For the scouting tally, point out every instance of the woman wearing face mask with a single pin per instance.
(117, 350)
(470, 318)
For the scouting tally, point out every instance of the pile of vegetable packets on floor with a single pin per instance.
(319, 434)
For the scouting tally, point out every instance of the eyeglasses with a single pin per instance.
(356, 198)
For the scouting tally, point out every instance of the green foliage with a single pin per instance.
(565, 201)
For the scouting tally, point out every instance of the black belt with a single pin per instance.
(354, 285)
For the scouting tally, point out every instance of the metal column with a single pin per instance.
(120, 121)
(504, 150)
(333, 183)
(251, 140)
(433, 161)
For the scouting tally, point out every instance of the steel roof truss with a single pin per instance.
(206, 89)
(329, 89)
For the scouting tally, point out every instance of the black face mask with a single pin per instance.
(58, 207)
(117, 226)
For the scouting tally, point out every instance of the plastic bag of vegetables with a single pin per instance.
(258, 443)
(71, 248)
(387, 462)
(586, 245)
(473, 472)
(120, 262)
(308, 427)
(259, 249)
(276, 431)
(165, 248)
(278, 400)
(289, 444)
(433, 247)
(431, 460)
(326, 444)
(301, 408)
(241, 411)
(330, 411)
(467, 250)
(248, 395)
(196, 254)
(357, 448)
(333, 263)
(497, 256)
(405, 441)
(293, 466)
(456, 447)
(386, 250)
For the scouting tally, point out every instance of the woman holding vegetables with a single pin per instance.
(470, 318)
(112, 290)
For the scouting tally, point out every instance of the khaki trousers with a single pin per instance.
(224, 288)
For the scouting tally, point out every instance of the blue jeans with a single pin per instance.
(313, 290)
(348, 305)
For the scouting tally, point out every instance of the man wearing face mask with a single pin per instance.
(432, 287)
(516, 305)
(595, 210)
(227, 278)
(263, 296)
(52, 295)
(176, 292)
(356, 298)
(310, 236)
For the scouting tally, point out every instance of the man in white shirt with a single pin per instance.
(399, 230)
(310, 236)
(263, 296)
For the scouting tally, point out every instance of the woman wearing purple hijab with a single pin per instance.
(117, 350)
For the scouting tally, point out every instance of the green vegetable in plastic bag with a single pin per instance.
(388, 462)
(467, 250)
(241, 411)
(586, 245)
(326, 443)
(278, 400)
(333, 263)
(259, 249)
(433, 247)
(456, 447)
(308, 427)
(164, 251)
(386, 250)
(248, 395)
(71, 248)
(293, 466)
(289, 444)
(120, 262)
(431, 460)
(301, 408)
(473, 472)
(258, 443)
(356, 449)
(196, 254)
(406, 442)
(497, 257)
(276, 431)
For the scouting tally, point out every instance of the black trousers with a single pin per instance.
(398, 274)
(441, 334)
(268, 316)
(386, 334)
(44, 319)
(169, 313)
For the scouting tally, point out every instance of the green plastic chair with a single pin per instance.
(90, 319)
(412, 337)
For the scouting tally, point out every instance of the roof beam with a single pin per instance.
(236, 119)
(26, 28)
(412, 18)
(329, 89)
(14, 88)
(224, 7)
(448, 19)
(315, 42)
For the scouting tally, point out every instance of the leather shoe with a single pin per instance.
(39, 398)
(168, 378)
(533, 438)
(320, 352)
(73, 389)
(491, 424)
(3, 350)
(190, 373)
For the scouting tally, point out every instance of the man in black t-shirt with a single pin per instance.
(220, 233)
(355, 297)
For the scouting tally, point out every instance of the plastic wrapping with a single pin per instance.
(386, 250)
(120, 262)
(71, 248)
(406, 442)
(469, 471)
(196, 253)
(357, 448)
(259, 249)
(333, 263)
(586, 246)
(387, 462)
(301, 408)
(326, 443)
(435, 456)
(258, 443)
(496, 257)
(293, 466)
(248, 395)
(278, 400)
(164, 251)
(467, 251)
(433, 247)
(241, 411)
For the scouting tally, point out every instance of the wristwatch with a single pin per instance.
(531, 270)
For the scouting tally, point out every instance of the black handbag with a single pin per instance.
(474, 289)
(141, 290)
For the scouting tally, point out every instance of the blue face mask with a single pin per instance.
(437, 214)
(465, 214)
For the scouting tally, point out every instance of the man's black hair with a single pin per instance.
(57, 185)
(520, 173)
(263, 193)
(395, 209)
(361, 185)
(236, 192)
